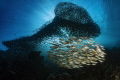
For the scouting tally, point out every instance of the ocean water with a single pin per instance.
(27, 29)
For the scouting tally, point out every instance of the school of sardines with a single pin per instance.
(76, 52)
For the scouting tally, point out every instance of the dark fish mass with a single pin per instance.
(81, 42)
(67, 15)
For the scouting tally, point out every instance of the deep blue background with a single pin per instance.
(23, 17)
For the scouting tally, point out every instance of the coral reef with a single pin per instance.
(63, 76)
(22, 66)
(76, 52)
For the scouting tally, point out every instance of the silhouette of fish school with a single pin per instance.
(76, 52)
(69, 16)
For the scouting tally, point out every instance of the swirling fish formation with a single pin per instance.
(76, 52)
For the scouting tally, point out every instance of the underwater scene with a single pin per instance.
(59, 40)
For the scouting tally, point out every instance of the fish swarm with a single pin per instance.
(76, 52)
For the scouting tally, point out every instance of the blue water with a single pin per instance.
(23, 17)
